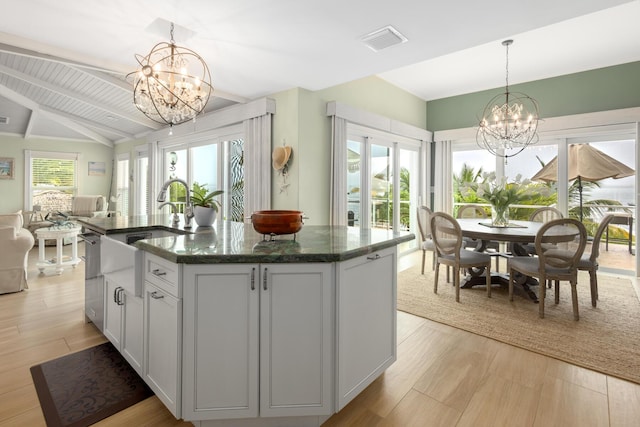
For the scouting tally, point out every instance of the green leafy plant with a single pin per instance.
(201, 196)
(501, 193)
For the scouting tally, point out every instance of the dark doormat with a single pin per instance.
(83, 388)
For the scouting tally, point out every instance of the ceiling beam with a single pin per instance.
(32, 122)
(75, 96)
(64, 120)
(72, 124)
(26, 47)
(87, 123)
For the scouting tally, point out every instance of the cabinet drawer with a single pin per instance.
(164, 274)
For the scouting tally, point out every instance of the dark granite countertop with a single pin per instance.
(232, 242)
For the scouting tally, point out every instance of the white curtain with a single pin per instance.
(443, 178)
(257, 164)
(338, 203)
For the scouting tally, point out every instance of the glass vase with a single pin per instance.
(499, 216)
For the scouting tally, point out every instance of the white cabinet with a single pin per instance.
(296, 339)
(163, 330)
(366, 321)
(220, 369)
(258, 340)
(123, 321)
(163, 345)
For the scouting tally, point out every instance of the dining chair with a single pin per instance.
(424, 226)
(471, 211)
(543, 214)
(589, 262)
(447, 237)
(558, 264)
(475, 211)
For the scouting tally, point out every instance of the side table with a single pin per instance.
(58, 233)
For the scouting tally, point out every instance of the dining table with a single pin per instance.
(516, 234)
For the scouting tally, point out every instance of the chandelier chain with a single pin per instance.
(171, 33)
(507, 69)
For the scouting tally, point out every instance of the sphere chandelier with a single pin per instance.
(508, 128)
(173, 84)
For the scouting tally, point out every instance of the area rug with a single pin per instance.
(605, 339)
(82, 388)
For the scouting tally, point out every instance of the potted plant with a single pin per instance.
(205, 206)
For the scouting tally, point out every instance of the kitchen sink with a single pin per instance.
(122, 261)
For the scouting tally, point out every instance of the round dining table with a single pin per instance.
(515, 234)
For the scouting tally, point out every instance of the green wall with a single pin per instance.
(609, 88)
(12, 190)
(301, 119)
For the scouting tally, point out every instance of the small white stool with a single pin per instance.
(59, 233)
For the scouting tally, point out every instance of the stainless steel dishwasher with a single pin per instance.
(93, 282)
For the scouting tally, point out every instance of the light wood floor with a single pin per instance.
(443, 376)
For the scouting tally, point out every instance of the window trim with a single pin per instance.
(29, 155)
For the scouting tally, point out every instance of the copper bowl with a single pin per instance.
(277, 221)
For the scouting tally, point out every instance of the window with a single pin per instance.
(53, 180)
(141, 173)
(122, 185)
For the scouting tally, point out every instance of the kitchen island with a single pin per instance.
(235, 326)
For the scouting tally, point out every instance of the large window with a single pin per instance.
(469, 163)
(53, 180)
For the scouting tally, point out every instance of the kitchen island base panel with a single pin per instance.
(265, 422)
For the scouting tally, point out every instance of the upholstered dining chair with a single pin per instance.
(447, 237)
(471, 211)
(545, 214)
(424, 226)
(475, 211)
(559, 264)
(589, 262)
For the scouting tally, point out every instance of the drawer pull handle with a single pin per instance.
(373, 257)
(253, 279)
(157, 272)
(264, 279)
(156, 295)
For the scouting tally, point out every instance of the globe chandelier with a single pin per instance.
(173, 84)
(508, 128)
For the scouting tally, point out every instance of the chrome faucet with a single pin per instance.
(174, 210)
(188, 208)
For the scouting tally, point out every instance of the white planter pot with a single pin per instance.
(204, 217)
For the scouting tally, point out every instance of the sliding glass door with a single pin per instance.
(216, 164)
(382, 181)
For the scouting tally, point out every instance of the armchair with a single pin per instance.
(88, 207)
(15, 244)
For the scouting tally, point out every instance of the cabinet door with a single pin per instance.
(366, 317)
(112, 312)
(220, 368)
(163, 344)
(296, 339)
(132, 337)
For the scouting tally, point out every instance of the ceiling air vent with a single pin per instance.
(383, 38)
(4, 120)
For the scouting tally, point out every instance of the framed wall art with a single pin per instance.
(97, 168)
(7, 167)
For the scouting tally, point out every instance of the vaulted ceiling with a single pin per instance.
(63, 65)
